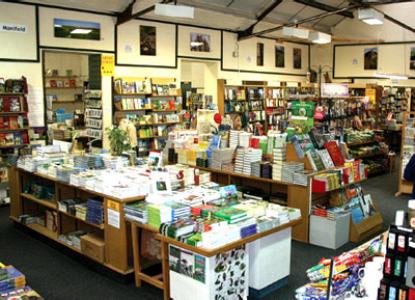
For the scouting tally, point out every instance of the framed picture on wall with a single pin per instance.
(260, 54)
(371, 58)
(148, 37)
(279, 56)
(297, 58)
(72, 29)
(199, 42)
(412, 59)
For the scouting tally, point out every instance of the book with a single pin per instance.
(315, 160)
(325, 158)
(335, 153)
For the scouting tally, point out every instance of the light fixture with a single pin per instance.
(177, 11)
(81, 31)
(295, 32)
(370, 16)
(318, 37)
(391, 76)
(196, 44)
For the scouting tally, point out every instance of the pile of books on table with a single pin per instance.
(13, 285)
(136, 211)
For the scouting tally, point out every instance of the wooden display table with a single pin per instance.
(162, 281)
(115, 233)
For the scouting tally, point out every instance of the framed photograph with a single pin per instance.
(412, 59)
(371, 58)
(297, 58)
(199, 42)
(148, 39)
(259, 54)
(279, 56)
(77, 29)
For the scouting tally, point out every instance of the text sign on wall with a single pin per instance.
(13, 28)
(107, 65)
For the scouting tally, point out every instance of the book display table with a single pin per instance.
(196, 267)
(107, 239)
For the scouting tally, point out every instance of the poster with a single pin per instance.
(148, 38)
(371, 58)
(297, 58)
(279, 56)
(412, 59)
(35, 105)
(72, 29)
(107, 65)
(259, 54)
(187, 263)
(200, 42)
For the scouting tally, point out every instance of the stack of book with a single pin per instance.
(220, 157)
(178, 229)
(234, 139)
(179, 211)
(136, 211)
(95, 212)
(286, 171)
(158, 214)
(11, 279)
(250, 156)
(89, 161)
(239, 160)
(231, 214)
(247, 227)
(80, 211)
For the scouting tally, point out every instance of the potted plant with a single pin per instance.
(119, 140)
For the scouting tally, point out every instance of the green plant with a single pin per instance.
(119, 140)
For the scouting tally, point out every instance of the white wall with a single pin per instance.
(18, 45)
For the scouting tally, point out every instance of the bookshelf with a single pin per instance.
(115, 240)
(152, 104)
(93, 114)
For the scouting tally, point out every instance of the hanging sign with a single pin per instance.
(4, 27)
(107, 65)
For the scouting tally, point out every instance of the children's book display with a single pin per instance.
(13, 285)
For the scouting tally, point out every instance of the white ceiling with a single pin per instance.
(225, 14)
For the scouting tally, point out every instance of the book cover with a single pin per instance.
(335, 153)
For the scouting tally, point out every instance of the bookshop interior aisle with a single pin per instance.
(208, 150)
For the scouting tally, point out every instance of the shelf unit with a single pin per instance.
(117, 243)
(151, 104)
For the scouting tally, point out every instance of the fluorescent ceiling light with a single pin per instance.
(391, 76)
(295, 32)
(177, 11)
(370, 16)
(318, 37)
(81, 31)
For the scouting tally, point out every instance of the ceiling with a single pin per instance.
(216, 13)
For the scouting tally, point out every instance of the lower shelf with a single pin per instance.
(54, 236)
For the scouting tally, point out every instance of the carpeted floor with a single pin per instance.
(60, 275)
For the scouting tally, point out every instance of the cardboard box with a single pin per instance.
(329, 233)
(93, 246)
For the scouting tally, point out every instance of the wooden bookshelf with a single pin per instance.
(116, 237)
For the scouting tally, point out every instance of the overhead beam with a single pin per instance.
(259, 18)
(127, 15)
(325, 7)
(307, 20)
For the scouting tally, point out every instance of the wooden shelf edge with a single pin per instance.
(45, 203)
(56, 239)
(99, 226)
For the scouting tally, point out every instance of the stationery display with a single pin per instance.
(346, 274)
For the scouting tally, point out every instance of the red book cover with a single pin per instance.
(53, 83)
(356, 170)
(335, 153)
(6, 104)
